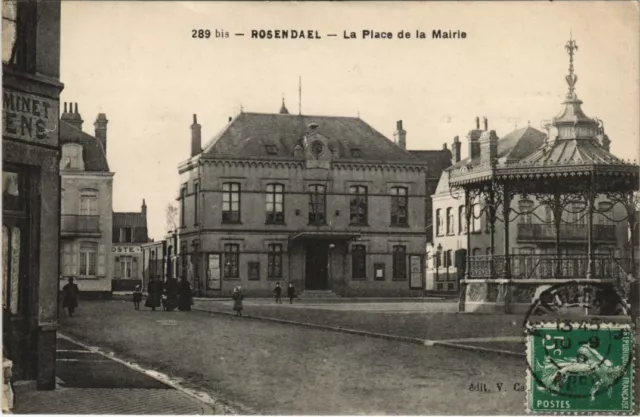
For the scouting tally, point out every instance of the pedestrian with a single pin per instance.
(237, 300)
(278, 292)
(185, 298)
(291, 293)
(137, 297)
(171, 290)
(70, 294)
(154, 294)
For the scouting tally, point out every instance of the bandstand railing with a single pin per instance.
(547, 232)
(544, 266)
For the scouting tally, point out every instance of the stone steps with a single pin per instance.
(318, 294)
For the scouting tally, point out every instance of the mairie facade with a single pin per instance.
(325, 203)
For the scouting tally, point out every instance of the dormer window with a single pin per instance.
(355, 152)
(72, 157)
(271, 149)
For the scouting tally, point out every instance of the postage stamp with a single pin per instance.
(580, 367)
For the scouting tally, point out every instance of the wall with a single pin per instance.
(72, 186)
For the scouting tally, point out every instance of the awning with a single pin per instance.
(322, 235)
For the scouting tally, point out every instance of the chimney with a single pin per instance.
(477, 123)
(143, 209)
(100, 126)
(472, 138)
(455, 150)
(72, 116)
(400, 136)
(230, 118)
(196, 139)
(486, 123)
(488, 146)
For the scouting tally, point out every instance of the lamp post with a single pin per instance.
(331, 246)
(438, 253)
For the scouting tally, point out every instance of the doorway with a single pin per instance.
(316, 260)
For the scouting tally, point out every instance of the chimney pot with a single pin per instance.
(477, 122)
(65, 106)
(196, 138)
(455, 150)
(100, 127)
(399, 125)
(76, 108)
(400, 136)
(195, 119)
(230, 118)
(486, 123)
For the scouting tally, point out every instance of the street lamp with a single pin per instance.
(331, 246)
(438, 254)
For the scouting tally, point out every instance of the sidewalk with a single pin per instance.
(90, 382)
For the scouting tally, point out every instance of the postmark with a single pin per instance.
(580, 367)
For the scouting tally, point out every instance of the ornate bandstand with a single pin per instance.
(568, 174)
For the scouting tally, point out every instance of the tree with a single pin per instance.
(171, 213)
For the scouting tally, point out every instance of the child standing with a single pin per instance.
(137, 297)
(278, 292)
(237, 301)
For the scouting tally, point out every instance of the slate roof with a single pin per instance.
(573, 151)
(248, 135)
(129, 219)
(95, 159)
(437, 160)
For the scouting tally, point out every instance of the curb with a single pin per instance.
(210, 403)
(365, 333)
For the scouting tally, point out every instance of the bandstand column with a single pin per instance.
(467, 272)
(506, 209)
(590, 203)
(557, 219)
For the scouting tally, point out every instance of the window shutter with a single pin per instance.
(117, 273)
(75, 259)
(66, 260)
(134, 268)
(102, 261)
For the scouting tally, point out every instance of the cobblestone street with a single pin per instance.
(282, 369)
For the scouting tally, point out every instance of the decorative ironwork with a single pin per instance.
(572, 78)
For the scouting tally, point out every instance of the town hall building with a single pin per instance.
(325, 203)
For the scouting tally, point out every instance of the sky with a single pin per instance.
(138, 63)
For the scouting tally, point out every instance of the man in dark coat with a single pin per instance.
(291, 293)
(70, 293)
(185, 298)
(154, 297)
(278, 293)
(172, 289)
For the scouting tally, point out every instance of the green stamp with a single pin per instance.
(580, 367)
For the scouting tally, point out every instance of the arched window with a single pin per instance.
(450, 221)
(439, 223)
(462, 220)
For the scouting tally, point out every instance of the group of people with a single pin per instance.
(291, 293)
(237, 297)
(170, 295)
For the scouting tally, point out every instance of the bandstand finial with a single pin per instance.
(572, 78)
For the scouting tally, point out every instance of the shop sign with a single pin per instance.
(125, 249)
(29, 118)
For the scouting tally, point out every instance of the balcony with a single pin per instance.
(543, 266)
(603, 233)
(80, 225)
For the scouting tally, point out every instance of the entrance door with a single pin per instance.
(15, 262)
(316, 260)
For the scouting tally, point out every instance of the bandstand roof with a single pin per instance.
(576, 151)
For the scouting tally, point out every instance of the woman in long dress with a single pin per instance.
(70, 296)
(154, 297)
(185, 298)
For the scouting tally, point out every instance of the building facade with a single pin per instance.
(31, 188)
(531, 226)
(327, 204)
(129, 234)
(86, 206)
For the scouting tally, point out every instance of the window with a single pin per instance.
(399, 262)
(450, 222)
(462, 220)
(183, 196)
(128, 267)
(16, 15)
(275, 204)
(359, 261)
(358, 205)
(184, 267)
(196, 203)
(230, 202)
(71, 157)
(317, 203)
(439, 223)
(231, 260)
(526, 210)
(274, 261)
(126, 235)
(399, 200)
(88, 204)
(253, 269)
(88, 256)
